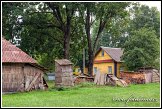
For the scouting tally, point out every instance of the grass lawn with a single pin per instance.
(87, 95)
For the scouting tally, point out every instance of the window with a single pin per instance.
(102, 53)
(109, 69)
(95, 70)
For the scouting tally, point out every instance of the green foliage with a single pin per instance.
(141, 49)
(120, 28)
(144, 17)
(114, 35)
(11, 16)
(43, 37)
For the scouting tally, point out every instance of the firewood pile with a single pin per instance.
(81, 79)
(133, 77)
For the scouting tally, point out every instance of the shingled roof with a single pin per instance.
(114, 53)
(63, 62)
(12, 54)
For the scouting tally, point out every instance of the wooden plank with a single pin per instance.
(97, 76)
(102, 79)
(31, 84)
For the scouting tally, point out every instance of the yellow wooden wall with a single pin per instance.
(100, 57)
(103, 67)
(118, 69)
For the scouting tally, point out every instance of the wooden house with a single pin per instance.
(20, 72)
(107, 60)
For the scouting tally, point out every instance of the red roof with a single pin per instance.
(12, 54)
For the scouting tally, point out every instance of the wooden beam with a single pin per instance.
(102, 61)
(31, 84)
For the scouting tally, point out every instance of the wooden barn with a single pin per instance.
(20, 72)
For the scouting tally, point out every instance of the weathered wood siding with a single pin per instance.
(30, 73)
(16, 77)
(63, 75)
(12, 76)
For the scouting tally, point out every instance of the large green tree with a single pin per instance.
(115, 34)
(139, 16)
(49, 37)
(101, 14)
(142, 46)
(144, 16)
(47, 30)
(142, 49)
(11, 15)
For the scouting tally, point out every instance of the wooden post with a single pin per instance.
(83, 60)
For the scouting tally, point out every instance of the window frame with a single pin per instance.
(95, 70)
(109, 67)
(102, 53)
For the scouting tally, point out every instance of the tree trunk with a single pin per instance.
(90, 51)
(66, 46)
(67, 30)
(65, 27)
(90, 64)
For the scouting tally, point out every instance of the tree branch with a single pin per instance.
(43, 26)
(58, 40)
(101, 27)
(56, 13)
(39, 12)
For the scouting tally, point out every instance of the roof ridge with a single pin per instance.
(110, 47)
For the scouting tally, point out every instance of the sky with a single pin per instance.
(152, 4)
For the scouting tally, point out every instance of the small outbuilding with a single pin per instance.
(20, 72)
(63, 73)
(151, 74)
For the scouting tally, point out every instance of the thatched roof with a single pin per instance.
(12, 54)
(114, 53)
